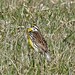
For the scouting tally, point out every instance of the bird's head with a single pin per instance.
(33, 29)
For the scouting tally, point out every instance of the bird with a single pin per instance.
(37, 41)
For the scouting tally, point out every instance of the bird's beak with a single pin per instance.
(30, 29)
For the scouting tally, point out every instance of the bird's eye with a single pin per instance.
(34, 29)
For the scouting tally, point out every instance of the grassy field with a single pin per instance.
(56, 20)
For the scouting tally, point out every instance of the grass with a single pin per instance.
(56, 20)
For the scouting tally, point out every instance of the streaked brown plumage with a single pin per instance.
(40, 41)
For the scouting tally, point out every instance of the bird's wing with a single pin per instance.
(40, 41)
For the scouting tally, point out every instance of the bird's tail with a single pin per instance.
(48, 57)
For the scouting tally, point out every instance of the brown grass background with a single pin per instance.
(56, 20)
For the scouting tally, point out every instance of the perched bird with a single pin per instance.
(37, 41)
